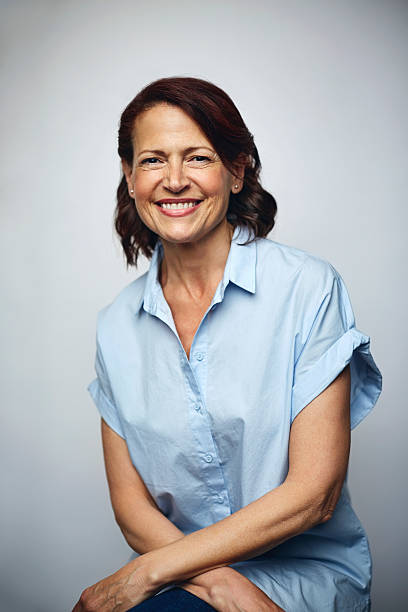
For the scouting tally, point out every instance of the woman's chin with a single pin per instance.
(178, 235)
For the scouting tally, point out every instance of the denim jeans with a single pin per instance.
(173, 600)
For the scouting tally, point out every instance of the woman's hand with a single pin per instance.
(126, 588)
(227, 590)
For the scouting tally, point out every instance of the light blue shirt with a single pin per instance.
(210, 435)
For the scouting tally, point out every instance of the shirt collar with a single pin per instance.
(240, 269)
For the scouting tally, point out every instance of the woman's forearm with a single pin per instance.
(144, 527)
(152, 530)
(251, 531)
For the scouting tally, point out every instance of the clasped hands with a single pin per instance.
(225, 589)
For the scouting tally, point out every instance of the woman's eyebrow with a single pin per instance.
(188, 150)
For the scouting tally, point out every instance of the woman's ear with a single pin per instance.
(239, 170)
(127, 172)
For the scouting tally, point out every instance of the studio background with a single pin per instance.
(323, 88)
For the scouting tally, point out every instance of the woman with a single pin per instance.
(228, 379)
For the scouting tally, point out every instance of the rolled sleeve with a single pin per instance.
(333, 342)
(101, 393)
(106, 409)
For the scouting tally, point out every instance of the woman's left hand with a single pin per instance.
(122, 590)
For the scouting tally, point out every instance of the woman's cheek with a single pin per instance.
(214, 181)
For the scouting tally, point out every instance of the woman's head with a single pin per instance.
(157, 128)
(175, 165)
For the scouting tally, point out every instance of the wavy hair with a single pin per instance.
(218, 117)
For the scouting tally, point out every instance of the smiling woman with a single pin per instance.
(187, 134)
(228, 379)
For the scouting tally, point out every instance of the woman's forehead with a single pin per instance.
(165, 125)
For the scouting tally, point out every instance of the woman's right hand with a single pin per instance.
(227, 590)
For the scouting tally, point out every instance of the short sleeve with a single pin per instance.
(329, 342)
(101, 393)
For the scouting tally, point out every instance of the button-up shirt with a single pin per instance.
(210, 434)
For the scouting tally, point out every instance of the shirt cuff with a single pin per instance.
(366, 381)
(106, 408)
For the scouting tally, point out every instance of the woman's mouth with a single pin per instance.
(178, 208)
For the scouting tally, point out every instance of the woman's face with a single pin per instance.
(175, 165)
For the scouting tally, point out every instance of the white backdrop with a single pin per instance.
(323, 88)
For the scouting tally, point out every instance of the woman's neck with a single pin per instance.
(193, 270)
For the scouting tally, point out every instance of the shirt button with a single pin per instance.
(197, 407)
(219, 499)
(199, 356)
(208, 458)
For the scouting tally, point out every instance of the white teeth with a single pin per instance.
(178, 205)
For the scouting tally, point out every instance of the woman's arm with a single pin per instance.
(319, 448)
(143, 525)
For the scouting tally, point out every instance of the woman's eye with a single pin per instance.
(200, 158)
(150, 160)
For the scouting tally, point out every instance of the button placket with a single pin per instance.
(207, 453)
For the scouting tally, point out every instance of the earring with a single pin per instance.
(236, 186)
(131, 191)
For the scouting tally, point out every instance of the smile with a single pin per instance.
(179, 205)
(178, 209)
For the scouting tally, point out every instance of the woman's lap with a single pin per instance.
(173, 600)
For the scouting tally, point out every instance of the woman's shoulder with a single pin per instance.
(285, 262)
(123, 306)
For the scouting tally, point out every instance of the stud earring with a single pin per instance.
(131, 191)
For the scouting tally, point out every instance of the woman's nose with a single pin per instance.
(175, 178)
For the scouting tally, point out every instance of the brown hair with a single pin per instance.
(218, 117)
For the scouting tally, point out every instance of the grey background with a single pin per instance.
(323, 87)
